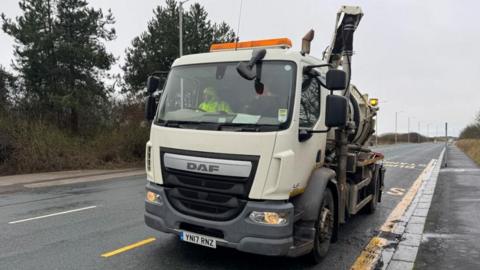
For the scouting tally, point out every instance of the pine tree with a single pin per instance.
(61, 59)
(157, 47)
(83, 59)
(34, 52)
(7, 81)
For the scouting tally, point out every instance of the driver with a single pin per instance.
(212, 103)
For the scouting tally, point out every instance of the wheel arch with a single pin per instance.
(309, 202)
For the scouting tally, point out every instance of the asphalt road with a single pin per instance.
(39, 231)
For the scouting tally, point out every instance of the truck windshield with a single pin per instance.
(215, 96)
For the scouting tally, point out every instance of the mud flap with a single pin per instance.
(381, 176)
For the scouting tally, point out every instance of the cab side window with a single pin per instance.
(310, 101)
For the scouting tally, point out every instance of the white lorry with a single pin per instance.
(260, 148)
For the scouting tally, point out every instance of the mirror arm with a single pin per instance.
(325, 86)
(319, 131)
(257, 56)
(307, 69)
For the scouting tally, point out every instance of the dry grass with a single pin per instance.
(36, 147)
(471, 147)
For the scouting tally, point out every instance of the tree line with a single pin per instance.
(472, 131)
(59, 105)
(61, 63)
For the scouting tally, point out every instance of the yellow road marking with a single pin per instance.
(370, 255)
(129, 247)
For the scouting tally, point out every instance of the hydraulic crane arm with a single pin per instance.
(348, 18)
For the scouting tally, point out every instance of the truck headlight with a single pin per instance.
(153, 197)
(271, 218)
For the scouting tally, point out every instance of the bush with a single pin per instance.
(471, 147)
(27, 146)
(389, 138)
(471, 132)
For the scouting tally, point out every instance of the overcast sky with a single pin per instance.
(418, 57)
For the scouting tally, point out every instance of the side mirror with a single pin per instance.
(152, 84)
(336, 79)
(336, 111)
(150, 107)
(246, 69)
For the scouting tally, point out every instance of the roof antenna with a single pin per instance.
(238, 26)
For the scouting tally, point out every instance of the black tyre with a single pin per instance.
(324, 227)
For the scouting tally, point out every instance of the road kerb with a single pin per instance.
(86, 179)
(371, 254)
(405, 251)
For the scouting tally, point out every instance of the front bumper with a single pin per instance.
(240, 233)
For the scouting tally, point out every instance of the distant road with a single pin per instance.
(99, 225)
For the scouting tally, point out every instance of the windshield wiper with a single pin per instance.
(195, 124)
(174, 123)
(218, 126)
(248, 127)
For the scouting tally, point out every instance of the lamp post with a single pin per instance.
(446, 143)
(180, 26)
(428, 131)
(418, 137)
(396, 126)
(408, 129)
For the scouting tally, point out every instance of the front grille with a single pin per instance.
(213, 197)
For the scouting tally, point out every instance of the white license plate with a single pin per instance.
(198, 239)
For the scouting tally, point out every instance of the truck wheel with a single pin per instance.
(372, 205)
(324, 226)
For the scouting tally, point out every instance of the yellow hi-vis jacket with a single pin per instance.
(214, 106)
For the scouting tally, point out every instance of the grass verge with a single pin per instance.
(28, 147)
(471, 147)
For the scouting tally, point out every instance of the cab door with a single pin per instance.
(296, 151)
(311, 116)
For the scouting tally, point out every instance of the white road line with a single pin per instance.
(460, 170)
(51, 215)
(428, 236)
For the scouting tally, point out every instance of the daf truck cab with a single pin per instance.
(257, 147)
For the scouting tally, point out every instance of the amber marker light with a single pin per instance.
(275, 42)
